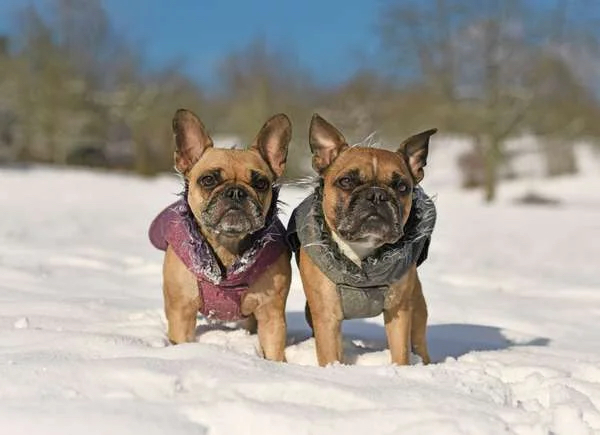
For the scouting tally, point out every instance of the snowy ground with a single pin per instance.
(513, 293)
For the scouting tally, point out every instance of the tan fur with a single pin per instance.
(182, 300)
(361, 159)
(264, 302)
(326, 310)
(405, 319)
(234, 164)
(405, 313)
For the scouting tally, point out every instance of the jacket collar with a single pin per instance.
(385, 264)
(204, 260)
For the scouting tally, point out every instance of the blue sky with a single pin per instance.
(330, 37)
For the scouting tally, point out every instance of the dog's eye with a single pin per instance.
(346, 182)
(208, 181)
(261, 184)
(401, 187)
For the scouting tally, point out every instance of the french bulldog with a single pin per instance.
(226, 254)
(359, 240)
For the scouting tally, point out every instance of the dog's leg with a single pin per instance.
(308, 317)
(399, 316)
(323, 311)
(182, 321)
(182, 299)
(328, 338)
(418, 336)
(271, 330)
(266, 300)
(397, 329)
(326, 323)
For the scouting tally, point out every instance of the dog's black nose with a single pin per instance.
(377, 195)
(236, 193)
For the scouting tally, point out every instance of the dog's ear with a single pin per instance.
(326, 143)
(191, 140)
(415, 150)
(272, 142)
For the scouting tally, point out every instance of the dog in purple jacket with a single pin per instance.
(225, 250)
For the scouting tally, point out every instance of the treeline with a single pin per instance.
(73, 92)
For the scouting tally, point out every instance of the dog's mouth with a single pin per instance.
(233, 220)
(372, 224)
(236, 221)
(372, 215)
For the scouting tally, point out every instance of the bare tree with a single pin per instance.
(358, 105)
(480, 65)
(147, 108)
(46, 88)
(257, 82)
(82, 95)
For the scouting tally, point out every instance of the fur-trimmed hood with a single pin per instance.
(177, 226)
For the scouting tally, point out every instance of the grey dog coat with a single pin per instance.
(362, 289)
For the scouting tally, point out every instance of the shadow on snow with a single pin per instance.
(444, 340)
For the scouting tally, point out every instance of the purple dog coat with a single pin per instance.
(221, 290)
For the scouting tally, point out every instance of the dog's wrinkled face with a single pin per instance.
(230, 190)
(367, 192)
(367, 195)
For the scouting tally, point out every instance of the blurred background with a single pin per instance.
(513, 85)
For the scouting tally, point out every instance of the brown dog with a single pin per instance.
(361, 236)
(238, 253)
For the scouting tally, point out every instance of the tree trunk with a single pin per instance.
(491, 165)
(142, 161)
(559, 155)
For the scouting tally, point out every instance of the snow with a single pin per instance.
(513, 293)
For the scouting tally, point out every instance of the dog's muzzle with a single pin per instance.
(233, 211)
(372, 213)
